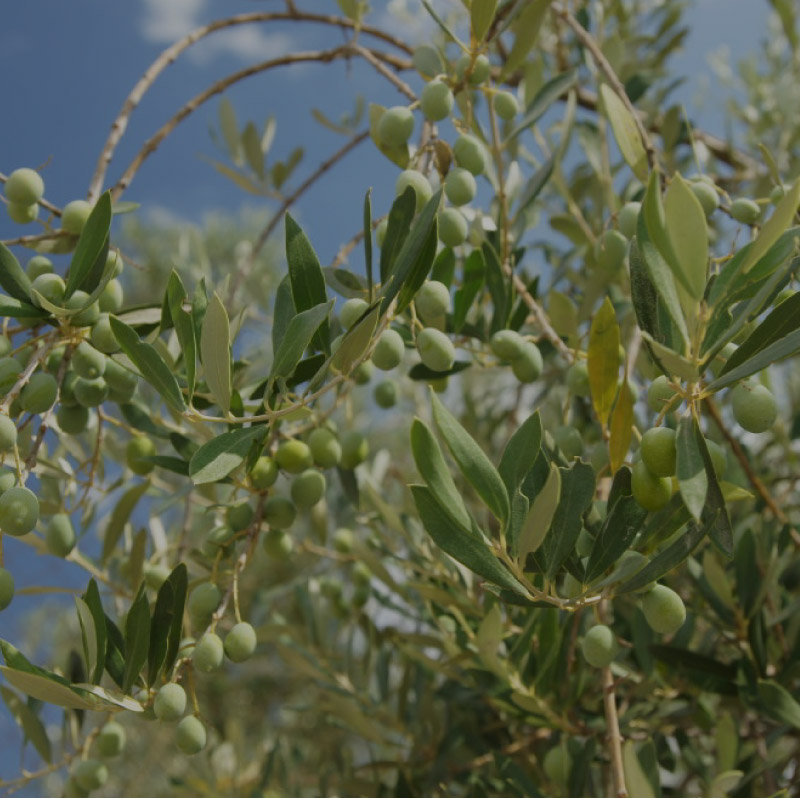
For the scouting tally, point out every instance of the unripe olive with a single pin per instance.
(427, 61)
(110, 299)
(557, 764)
(361, 596)
(293, 457)
(279, 512)
(155, 574)
(435, 349)
(778, 193)
(507, 344)
(386, 394)
(208, 653)
(628, 218)
(203, 600)
(8, 434)
(436, 100)
(325, 447)
(85, 317)
(578, 379)
(745, 210)
(91, 774)
(73, 790)
(5, 345)
(380, 231)
(114, 261)
(754, 407)
(277, 544)
(24, 186)
(137, 450)
(240, 642)
(363, 372)
(8, 478)
(355, 448)
(439, 385)
(111, 740)
(352, 310)
(659, 451)
(121, 381)
(308, 488)
(343, 540)
(22, 214)
(432, 301)
(528, 365)
(190, 735)
(707, 194)
(388, 351)
(650, 491)
(614, 250)
(505, 104)
(395, 126)
(569, 440)
(59, 537)
(418, 182)
(469, 154)
(460, 186)
(51, 287)
(218, 542)
(6, 588)
(239, 516)
(660, 394)
(480, 69)
(599, 646)
(102, 336)
(664, 610)
(88, 362)
(170, 702)
(10, 369)
(74, 216)
(453, 227)
(264, 473)
(39, 394)
(361, 574)
(37, 265)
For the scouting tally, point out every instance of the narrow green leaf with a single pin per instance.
(216, 459)
(88, 636)
(688, 235)
(603, 360)
(498, 285)
(433, 469)
(251, 145)
(137, 639)
(621, 432)
(469, 289)
(481, 15)
(398, 225)
(215, 353)
(184, 328)
(368, 241)
(474, 464)
(774, 227)
(307, 279)
(715, 511)
(165, 631)
(413, 256)
(635, 779)
(92, 600)
(356, 340)
(89, 259)
(625, 132)
(297, 337)
(460, 543)
(441, 23)
(540, 516)
(526, 31)
(230, 130)
(283, 312)
(150, 364)
(119, 517)
(545, 97)
(12, 277)
(778, 703)
(29, 722)
(577, 492)
(420, 270)
(691, 471)
(115, 652)
(520, 453)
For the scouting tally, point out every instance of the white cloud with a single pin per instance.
(166, 21)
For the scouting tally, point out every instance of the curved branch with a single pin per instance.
(171, 54)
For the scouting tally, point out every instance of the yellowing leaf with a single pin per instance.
(603, 360)
(625, 132)
(540, 515)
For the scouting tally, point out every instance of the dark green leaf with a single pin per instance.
(416, 276)
(165, 631)
(120, 515)
(29, 722)
(498, 286)
(299, 333)
(691, 471)
(469, 289)
(184, 328)
(778, 703)
(368, 241)
(150, 364)
(307, 279)
(95, 605)
(89, 259)
(12, 278)
(283, 312)
(397, 228)
(545, 97)
(137, 639)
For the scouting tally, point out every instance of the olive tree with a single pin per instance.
(500, 502)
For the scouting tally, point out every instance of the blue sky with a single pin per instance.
(67, 67)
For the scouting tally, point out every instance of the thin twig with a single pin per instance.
(171, 54)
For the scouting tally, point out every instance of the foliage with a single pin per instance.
(283, 596)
